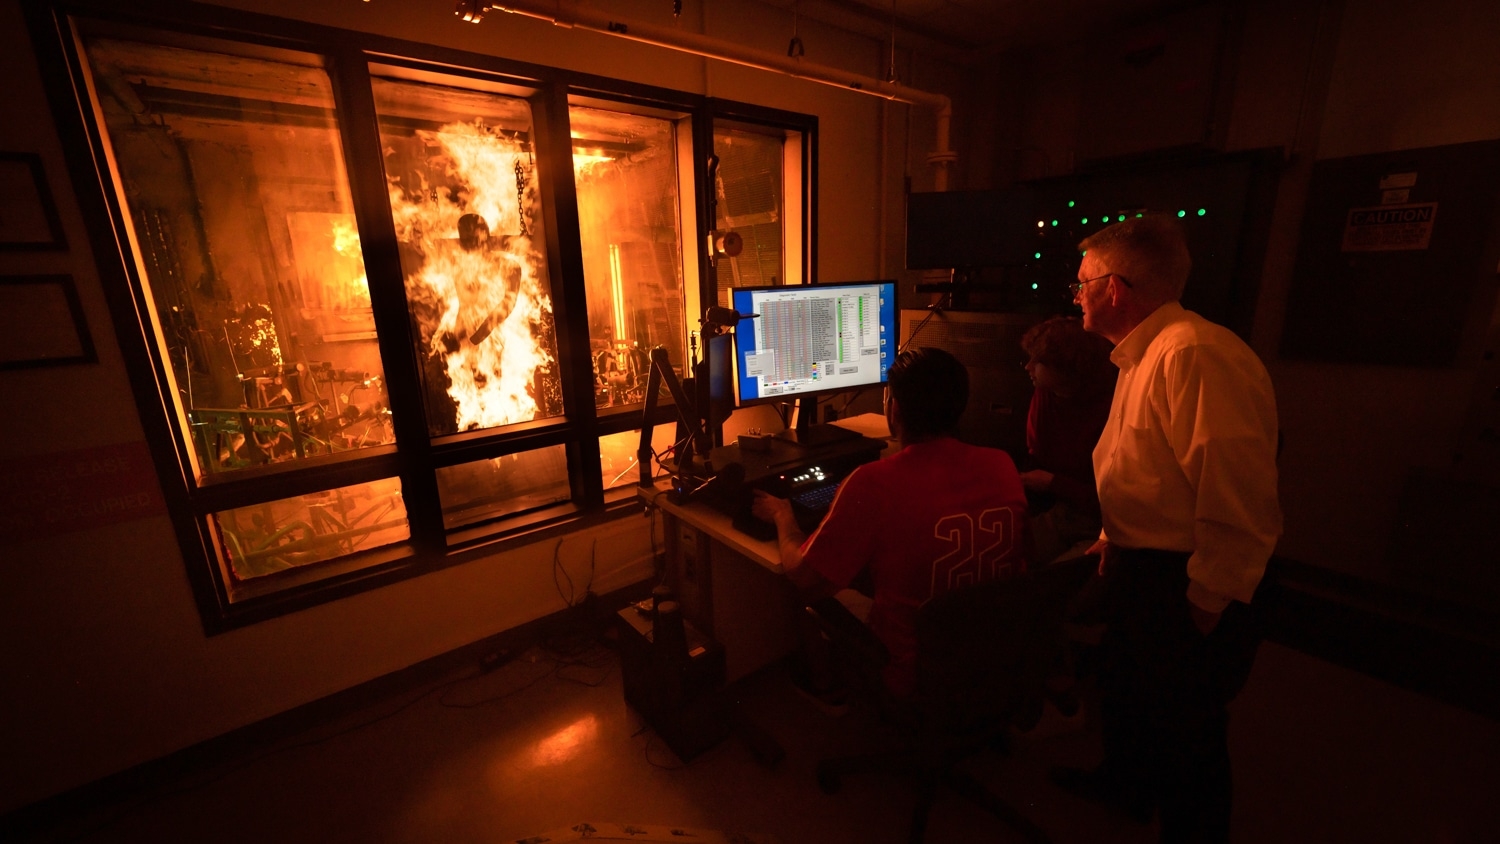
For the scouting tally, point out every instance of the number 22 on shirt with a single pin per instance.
(960, 566)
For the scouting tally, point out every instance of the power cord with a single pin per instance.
(588, 588)
(559, 568)
(598, 660)
(654, 739)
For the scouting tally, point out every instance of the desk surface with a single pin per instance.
(720, 526)
(716, 524)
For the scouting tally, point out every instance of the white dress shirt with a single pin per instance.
(1187, 461)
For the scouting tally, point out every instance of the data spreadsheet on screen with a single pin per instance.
(813, 339)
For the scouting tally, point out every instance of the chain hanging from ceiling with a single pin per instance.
(795, 48)
(890, 71)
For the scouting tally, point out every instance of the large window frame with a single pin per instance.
(416, 457)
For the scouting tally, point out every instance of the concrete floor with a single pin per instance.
(546, 742)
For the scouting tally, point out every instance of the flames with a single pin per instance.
(587, 163)
(355, 293)
(482, 310)
(260, 335)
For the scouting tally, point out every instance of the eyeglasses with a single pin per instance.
(1075, 286)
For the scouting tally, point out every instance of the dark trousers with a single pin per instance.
(1164, 689)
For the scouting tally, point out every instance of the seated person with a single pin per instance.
(936, 515)
(1075, 383)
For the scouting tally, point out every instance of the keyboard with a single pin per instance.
(818, 499)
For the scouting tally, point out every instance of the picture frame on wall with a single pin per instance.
(28, 214)
(42, 323)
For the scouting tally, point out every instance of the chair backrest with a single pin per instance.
(984, 651)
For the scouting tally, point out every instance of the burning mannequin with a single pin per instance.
(478, 298)
(474, 236)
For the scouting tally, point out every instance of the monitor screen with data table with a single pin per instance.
(810, 340)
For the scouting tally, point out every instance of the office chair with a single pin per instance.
(983, 655)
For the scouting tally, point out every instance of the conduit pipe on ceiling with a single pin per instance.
(572, 13)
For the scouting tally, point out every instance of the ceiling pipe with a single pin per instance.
(574, 14)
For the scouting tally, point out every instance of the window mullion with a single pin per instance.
(809, 197)
(359, 130)
(703, 149)
(565, 255)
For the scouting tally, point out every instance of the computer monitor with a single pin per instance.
(810, 340)
(718, 354)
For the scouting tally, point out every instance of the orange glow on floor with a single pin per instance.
(565, 743)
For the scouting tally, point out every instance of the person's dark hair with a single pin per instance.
(931, 389)
(1079, 357)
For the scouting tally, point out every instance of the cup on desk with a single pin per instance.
(668, 632)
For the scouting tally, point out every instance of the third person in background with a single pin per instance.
(1074, 382)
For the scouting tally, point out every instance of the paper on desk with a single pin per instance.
(872, 425)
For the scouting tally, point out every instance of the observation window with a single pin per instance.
(276, 536)
(625, 169)
(382, 338)
(232, 172)
(499, 486)
(461, 174)
(750, 202)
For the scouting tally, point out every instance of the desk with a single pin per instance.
(729, 584)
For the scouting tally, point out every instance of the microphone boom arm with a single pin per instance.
(687, 413)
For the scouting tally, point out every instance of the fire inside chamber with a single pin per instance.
(463, 198)
(231, 166)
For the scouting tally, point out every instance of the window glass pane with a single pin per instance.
(617, 454)
(625, 169)
(232, 173)
(462, 186)
(486, 489)
(264, 539)
(749, 202)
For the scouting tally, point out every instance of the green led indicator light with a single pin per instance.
(1182, 213)
(1033, 285)
(1138, 215)
(1085, 221)
(1122, 218)
(1070, 203)
(1037, 255)
(1054, 222)
(1202, 211)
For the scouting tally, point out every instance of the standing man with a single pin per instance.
(1186, 471)
(937, 515)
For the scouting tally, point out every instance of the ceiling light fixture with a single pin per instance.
(472, 11)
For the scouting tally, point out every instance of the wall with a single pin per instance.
(1403, 76)
(104, 658)
(1326, 80)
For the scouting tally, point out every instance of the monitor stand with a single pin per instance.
(809, 435)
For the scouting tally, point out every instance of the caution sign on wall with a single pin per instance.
(1389, 228)
(50, 494)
